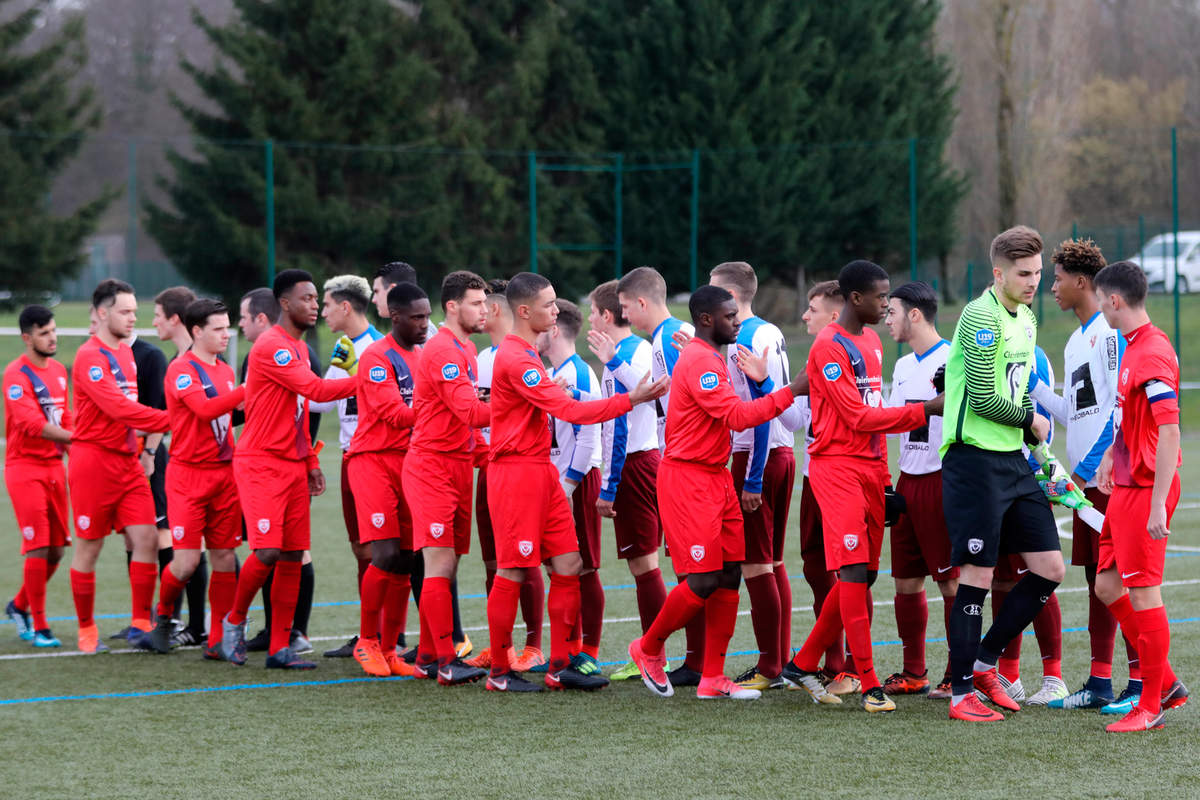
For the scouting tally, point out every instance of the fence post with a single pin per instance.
(1074, 229)
(619, 233)
(1175, 231)
(970, 268)
(912, 208)
(269, 153)
(531, 160)
(693, 251)
(1141, 232)
(131, 190)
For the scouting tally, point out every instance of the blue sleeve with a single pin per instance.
(670, 356)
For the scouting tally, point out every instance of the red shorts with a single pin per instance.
(109, 491)
(920, 541)
(701, 517)
(850, 492)
(203, 505)
(438, 491)
(1125, 543)
(812, 533)
(1085, 540)
(275, 502)
(483, 519)
(587, 518)
(349, 509)
(766, 528)
(530, 513)
(38, 490)
(1010, 568)
(638, 527)
(382, 512)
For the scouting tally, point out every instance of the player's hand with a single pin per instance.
(751, 501)
(344, 356)
(752, 366)
(939, 379)
(680, 339)
(935, 407)
(1157, 524)
(799, 384)
(605, 507)
(894, 504)
(601, 345)
(561, 382)
(147, 460)
(1040, 427)
(1104, 479)
(647, 389)
(316, 482)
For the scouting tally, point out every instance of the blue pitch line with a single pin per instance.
(14, 701)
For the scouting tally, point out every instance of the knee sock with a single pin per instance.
(1102, 634)
(1024, 602)
(1154, 644)
(681, 607)
(1009, 664)
(197, 588)
(417, 577)
(221, 589)
(533, 606)
(1047, 626)
(695, 642)
(394, 614)
(34, 586)
(591, 611)
(456, 631)
(426, 649)
(651, 594)
(826, 630)
(254, 575)
(374, 588)
(170, 591)
(563, 608)
(835, 651)
(363, 563)
(502, 614)
(142, 577)
(304, 598)
(947, 610)
(83, 591)
(720, 618)
(912, 620)
(266, 599)
(966, 623)
(285, 592)
(436, 605)
(1127, 618)
(764, 616)
(21, 599)
(783, 585)
(856, 619)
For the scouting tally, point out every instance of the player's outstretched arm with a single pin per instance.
(209, 408)
(97, 382)
(829, 365)
(293, 374)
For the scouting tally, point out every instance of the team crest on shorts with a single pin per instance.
(264, 525)
(697, 552)
(436, 529)
(377, 520)
(850, 540)
(525, 547)
(177, 533)
(27, 532)
(15, 392)
(84, 522)
(283, 356)
(531, 377)
(450, 372)
(975, 546)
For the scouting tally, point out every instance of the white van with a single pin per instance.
(1157, 260)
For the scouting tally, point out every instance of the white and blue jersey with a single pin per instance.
(636, 430)
(347, 407)
(575, 449)
(1042, 373)
(483, 386)
(664, 355)
(756, 335)
(912, 382)
(1091, 367)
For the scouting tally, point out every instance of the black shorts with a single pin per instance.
(993, 505)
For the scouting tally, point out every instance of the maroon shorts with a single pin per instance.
(701, 516)
(349, 510)
(275, 502)
(531, 517)
(812, 533)
(638, 526)
(850, 491)
(1125, 542)
(920, 541)
(1010, 568)
(381, 512)
(766, 528)
(109, 491)
(38, 490)
(587, 518)
(438, 491)
(1085, 540)
(204, 506)
(483, 519)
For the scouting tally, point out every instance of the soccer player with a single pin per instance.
(37, 429)
(530, 513)
(1140, 473)
(848, 470)
(438, 468)
(575, 451)
(700, 509)
(386, 375)
(642, 293)
(385, 278)
(276, 469)
(201, 493)
(920, 542)
(764, 469)
(107, 483)
(991, 499)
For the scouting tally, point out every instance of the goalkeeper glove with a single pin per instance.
(1056, 484)
(894, 505)
(344, 356)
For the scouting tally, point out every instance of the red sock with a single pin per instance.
(372, 590)
(1047, 626)
(826, 630)
(394, 614)
(142, 577)
(1102, 632)
(681, 607)
(221, 588)
(912, 620)
(169, 591)
(21, 601)
(651, 594)
(285, 594)
(764, 617)
(563, 607)
(34, 588)
(426, 651)
(694, 640)
(533, 606)
(83, 590)
(784, 586)
(1135, 664)
(437, 605)
(591, 611)
(856, 618)
(502, 614)
(720, 618)
(252, 577)
(835, 651)
(363, 563)
(1154, 644)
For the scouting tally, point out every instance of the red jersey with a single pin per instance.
(106, 408)
(200, 399)
(845, 385)
(524, 398)
(34, 396)
(1147, 396)
(386, 376)
(279, 384)
(704, 408)
(445, 399)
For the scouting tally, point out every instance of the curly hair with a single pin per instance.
(1079, 257)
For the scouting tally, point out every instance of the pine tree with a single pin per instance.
(43, 121)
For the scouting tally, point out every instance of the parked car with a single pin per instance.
(1157, 260)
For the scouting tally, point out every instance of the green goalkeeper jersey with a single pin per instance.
(987, 373)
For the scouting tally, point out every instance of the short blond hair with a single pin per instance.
(352, 289)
